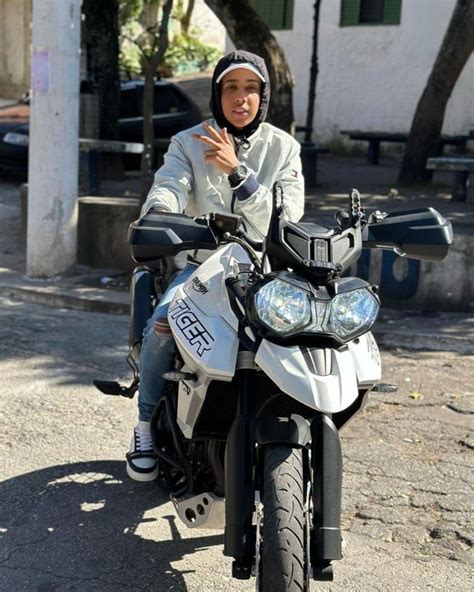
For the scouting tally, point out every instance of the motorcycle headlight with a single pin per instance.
(282, 307)
(352, 313)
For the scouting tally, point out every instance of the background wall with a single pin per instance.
(371, 77)
(14, 47)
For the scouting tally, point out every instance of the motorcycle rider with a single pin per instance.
(227, 164)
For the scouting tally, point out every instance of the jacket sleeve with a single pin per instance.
(256, 201)
(173, 181)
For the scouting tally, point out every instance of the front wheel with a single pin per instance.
(282, 550)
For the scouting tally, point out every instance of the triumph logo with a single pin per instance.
(199, 286)
(191, 327)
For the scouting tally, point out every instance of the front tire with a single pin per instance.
(282, 551)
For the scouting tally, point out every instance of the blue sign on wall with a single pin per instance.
(390, 285)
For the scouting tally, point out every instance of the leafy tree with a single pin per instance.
(185, 48)
(423, 141)
(152, 49)
(187, 52)
(184, 15)
(138, 29)
(249, 31)
(146, 48)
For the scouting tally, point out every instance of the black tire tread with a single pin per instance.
(282, 554)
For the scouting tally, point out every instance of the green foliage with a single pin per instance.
(130, 10)
(186, 53)
(130, 56)
(135, 41)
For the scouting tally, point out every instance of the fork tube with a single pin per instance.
(239, 480)
(326, 460)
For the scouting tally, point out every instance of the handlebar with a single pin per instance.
(227, 227)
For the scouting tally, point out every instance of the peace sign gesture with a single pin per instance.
(221, 152)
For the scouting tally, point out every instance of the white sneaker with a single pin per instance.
(142, 464)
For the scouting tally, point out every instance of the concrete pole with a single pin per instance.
(53, 152)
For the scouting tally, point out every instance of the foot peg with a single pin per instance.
(383, 387)
(108, 387)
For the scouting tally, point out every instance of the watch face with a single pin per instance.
(238, 175)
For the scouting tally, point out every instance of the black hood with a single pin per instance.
(242, 57)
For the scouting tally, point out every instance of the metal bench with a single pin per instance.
(375, 138)
(309, 162)
(461, 165)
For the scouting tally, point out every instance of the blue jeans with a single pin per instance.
(157, 352)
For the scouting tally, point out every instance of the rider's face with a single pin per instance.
(240, 97)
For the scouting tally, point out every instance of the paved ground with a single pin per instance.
(71, 520)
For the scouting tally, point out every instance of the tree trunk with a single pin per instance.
(100, 32)
(313, 75)
(150, 68)
(423, 141)
(249, 32)
(186, 18)
(100, 35)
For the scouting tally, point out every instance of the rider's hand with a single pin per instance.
(221, 152)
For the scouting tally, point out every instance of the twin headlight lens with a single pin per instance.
(283, 307)
(286, 309)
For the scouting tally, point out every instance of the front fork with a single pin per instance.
(239, 533)
(326, 462)
(322, 437)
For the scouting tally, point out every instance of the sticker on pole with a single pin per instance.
(40, 72)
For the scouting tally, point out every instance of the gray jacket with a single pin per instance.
(185, 183)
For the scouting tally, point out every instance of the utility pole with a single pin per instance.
(53, 150)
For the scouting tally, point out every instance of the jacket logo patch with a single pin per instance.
(199, 286)
(191, 327)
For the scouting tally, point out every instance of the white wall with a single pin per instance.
(371, 77)
(14, 47)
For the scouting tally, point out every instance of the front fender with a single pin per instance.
(323, 379)
(294, 430)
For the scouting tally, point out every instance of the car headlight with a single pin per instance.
(17, 139)
(352, 313)
(282, 307)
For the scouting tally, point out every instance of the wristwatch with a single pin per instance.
(238, 174)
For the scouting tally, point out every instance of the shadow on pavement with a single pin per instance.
(75, 527)
(67, 346)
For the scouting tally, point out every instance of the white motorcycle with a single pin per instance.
(274, 356)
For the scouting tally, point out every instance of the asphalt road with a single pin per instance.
(71, 520)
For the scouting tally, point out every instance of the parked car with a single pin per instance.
(174, 110)
(14, 130)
